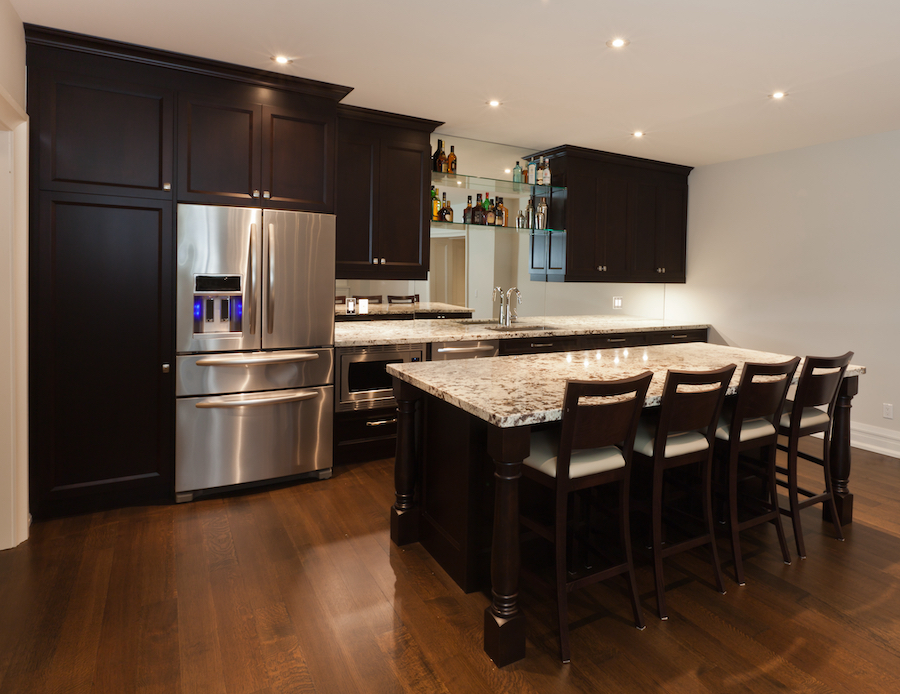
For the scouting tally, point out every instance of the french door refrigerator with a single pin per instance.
(255, 346)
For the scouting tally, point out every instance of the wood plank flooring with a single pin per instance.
(299, 589)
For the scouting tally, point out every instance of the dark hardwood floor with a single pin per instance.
(299, 589)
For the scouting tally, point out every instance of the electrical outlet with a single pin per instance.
(888, 410)
(617, 302)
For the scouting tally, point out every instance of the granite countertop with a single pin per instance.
(403, 309)
(528, 389)
(359, 333)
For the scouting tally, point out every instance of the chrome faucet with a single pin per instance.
(499, 292)
(511, 314)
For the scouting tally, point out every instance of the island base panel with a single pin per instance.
(404, 526)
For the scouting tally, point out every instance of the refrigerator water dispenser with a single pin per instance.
(218, 304)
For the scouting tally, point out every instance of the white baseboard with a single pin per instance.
(875, 439)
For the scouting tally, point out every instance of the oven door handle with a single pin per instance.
(465, 350)
(231, 401)
(257, 359)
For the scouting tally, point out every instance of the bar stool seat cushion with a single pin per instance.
(586, 461)
(680, 443)
(812, 416)
(751, 429)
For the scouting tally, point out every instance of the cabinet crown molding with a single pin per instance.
(610, 158)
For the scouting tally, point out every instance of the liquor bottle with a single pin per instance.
(547, 173)
(446, 213)
(490, 218)
(532, 173)
(435, 205)
(502, 213)
(540, 173)
(443, 161)
(451, 161)
(478, 211)
(517, 173)
(435, 159)
(467, 213)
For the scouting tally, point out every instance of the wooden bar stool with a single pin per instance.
(340, 299)
(406, 299)
(819, 385)
(682, 433)
(750, 422)
(374, 299)
(592, 448)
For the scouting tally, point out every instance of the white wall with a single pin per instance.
(798, 252)
(13, 282)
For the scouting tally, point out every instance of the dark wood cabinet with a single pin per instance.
(101, 391)
(103, 135)
(382, 204)
(249, 154)
(625, 218)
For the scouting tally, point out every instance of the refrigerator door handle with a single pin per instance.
(270, 271)
(256, 359)
(232, 401)
(251, 273)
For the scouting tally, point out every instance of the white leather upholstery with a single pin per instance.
(588, 461)
(676, 444)
(812, 416)
(751, 429)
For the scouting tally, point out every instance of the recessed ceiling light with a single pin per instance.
(507, 170)
(779, 95)
(493, 102)
(282, 60)
(617, 43)
(638, 133)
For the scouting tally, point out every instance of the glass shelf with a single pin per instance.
(459, 225)
(506, 189)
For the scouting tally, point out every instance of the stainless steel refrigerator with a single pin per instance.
(255, 346)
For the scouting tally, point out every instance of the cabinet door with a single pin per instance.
(218, 151)
(101, 406)
(658, 230)
(297, 160)
(104, 136)
(596, 234)
(402, 242)
(356, 206)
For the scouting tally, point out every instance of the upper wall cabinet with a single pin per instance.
(383, 205)
(233, 152)
(103, 135)
(625, 218)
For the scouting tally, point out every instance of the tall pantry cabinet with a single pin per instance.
(120, 135)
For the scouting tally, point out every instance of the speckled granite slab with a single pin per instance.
(404, 309)
(360, 333)
(528, 389)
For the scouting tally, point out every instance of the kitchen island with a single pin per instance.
(508, 395)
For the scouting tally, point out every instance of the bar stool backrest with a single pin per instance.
(407, 299)
(374, 299)
(819, 384)
(762, 392)
(692, 401)
(597, 414)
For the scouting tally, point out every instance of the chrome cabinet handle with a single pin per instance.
(541, 344)
(374, 261)
(465, 350)
(256, 359)
(615, 339)
(381, 422)
(382, 261)
(270, 272)
(267, 194)
(251, 273)
(232, 401)
(167, 186)
(678, 337)
(255, 193)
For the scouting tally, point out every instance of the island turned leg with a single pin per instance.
(404, 512)
(504, 625)
(840, 452)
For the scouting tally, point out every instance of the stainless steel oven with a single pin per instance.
(361, 380)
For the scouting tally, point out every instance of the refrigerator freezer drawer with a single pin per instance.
(232, 439)
(239, 372)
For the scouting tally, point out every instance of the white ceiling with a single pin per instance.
(696, 77)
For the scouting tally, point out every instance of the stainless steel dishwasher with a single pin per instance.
(467, 349)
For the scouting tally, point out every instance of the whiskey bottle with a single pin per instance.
(478, 211)
(491, 217)
(451, 161)
(435, 205)
(502, 214)
(467, 213)
(446, 213)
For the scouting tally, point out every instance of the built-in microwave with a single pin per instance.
(361, 381)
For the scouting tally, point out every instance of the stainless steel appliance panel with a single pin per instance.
(361, 380)
(298, 280)
(233, 439)
(235, 372)
(218, 241)
(468, 349)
